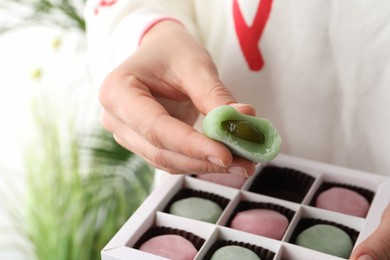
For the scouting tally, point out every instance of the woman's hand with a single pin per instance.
(377, 245)
(151, 101)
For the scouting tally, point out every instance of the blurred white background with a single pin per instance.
(32, 59)
(66, 187)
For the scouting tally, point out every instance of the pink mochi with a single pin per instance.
(226, 179)
(174, 247)
(344, 201)
(263, 222)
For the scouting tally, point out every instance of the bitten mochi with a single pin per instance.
(343, 200)
(250, 137)
(263, 222)
(170, 246)
(233, 253)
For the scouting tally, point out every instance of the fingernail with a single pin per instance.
(365, 257)
(238, 171)
(244, 108)
(216, 161)
(239, 105)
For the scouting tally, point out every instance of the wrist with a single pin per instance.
(160, 26)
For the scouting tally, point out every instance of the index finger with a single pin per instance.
(136, 107)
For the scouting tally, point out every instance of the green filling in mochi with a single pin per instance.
(250, 137)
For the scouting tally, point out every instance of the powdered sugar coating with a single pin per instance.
(343, 200)
(174, 247)
(263, 222)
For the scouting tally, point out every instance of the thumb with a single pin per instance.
(377, 245)
(208, 92)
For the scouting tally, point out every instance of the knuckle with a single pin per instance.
(154, 138)
(153, 134)
(107, 90)
(105, 121)
(159, 159)
(219, 90)
(148, 133)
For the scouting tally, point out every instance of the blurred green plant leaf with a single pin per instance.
(65, 14)
(81, 188)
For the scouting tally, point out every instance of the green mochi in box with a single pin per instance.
(250, 137)
(234, 252)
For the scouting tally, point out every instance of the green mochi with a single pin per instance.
(264, 149)
(196, 208)
(233, 253)
(326, 239)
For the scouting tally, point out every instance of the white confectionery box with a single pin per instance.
(152, 213)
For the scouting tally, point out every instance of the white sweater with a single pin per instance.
(318, 69)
